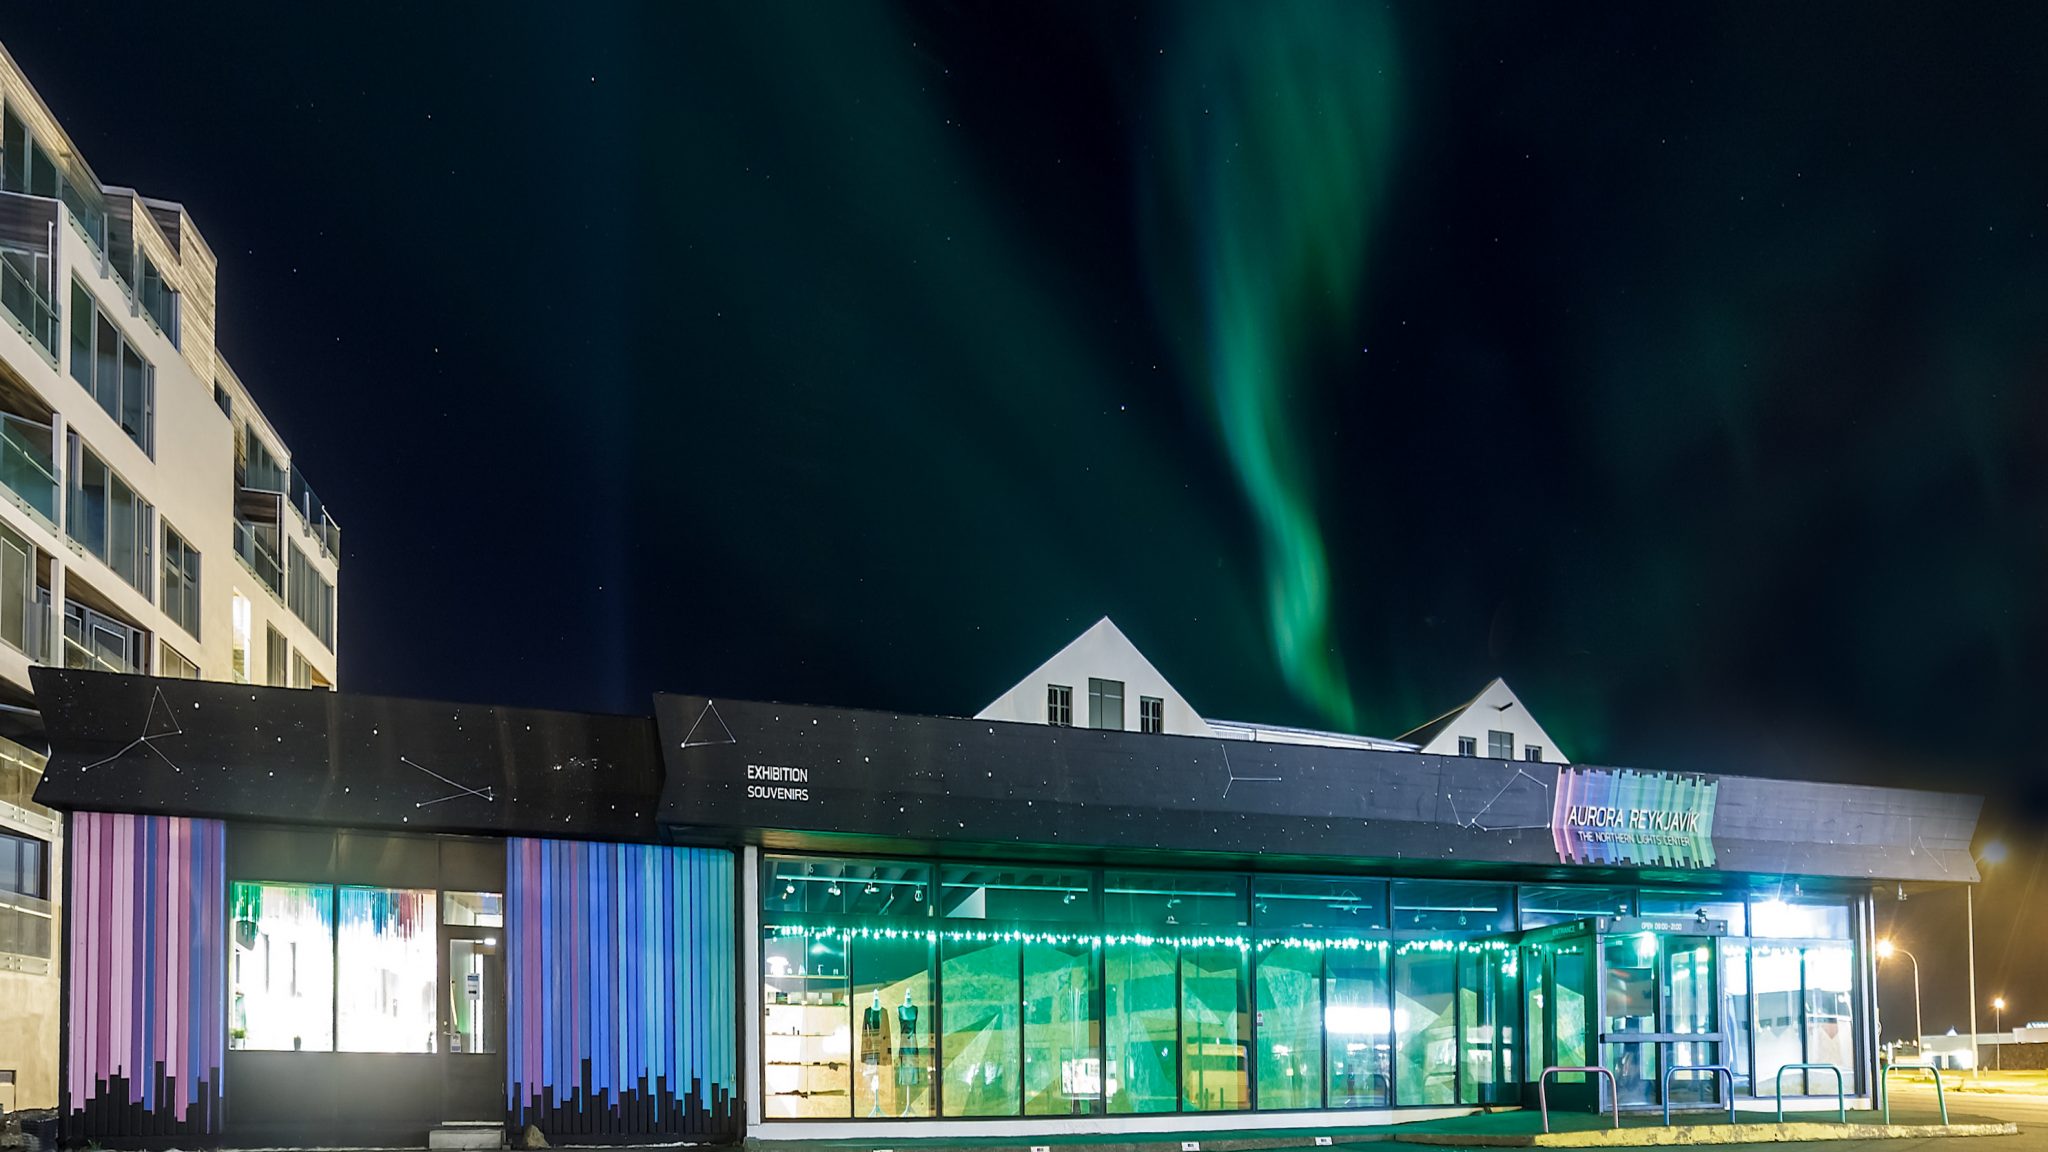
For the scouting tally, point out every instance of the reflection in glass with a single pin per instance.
(1631, 995)
(281, 968)
(806, 1033)
(1356, 1022)
(797, 884)
(1543, 904)
(1290, 996)
(473, 909)
(1062, 1041)
(1799, 919)
(386, 956)
(1215, 1024)
(1572, 965)
(1175, 900)
(1828, 1015)
(893, 1050)
(1735, 1009)
(475, 973)
(1453, 907)
(1774, 972)
(1301, 902)
(1012, 895)
(1142, 1026)
(1425, 1035)
(981, 1047)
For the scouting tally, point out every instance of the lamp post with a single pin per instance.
(1994, 851)
(1998, 1024)
(1885, 951)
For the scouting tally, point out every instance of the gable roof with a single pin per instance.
(1102, 651)
(1496, 697)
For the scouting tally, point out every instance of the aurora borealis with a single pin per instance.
(1684, 366)
(1277, 138)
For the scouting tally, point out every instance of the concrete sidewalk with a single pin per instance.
(1503, 1129)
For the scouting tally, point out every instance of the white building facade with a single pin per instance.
(151, 518)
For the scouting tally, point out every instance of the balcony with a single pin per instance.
(314, 514)
(25, 925)
(28, 464)
(256, 544)
(98, 642)
(27, 229)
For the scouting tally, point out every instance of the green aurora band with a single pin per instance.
(1278, 124)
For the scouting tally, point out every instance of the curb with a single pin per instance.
(1705, 1134)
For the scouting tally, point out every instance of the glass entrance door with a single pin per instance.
(471, 1013)
(1659, 991)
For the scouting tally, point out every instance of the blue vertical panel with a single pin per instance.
(620, 969)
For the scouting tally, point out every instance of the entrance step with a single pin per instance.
(468, 1134)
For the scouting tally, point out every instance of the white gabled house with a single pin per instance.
(1101, 680)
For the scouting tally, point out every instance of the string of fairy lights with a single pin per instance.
(1243, 943)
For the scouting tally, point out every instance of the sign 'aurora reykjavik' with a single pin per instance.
(1620, 816)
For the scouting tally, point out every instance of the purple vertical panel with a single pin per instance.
(142, 998)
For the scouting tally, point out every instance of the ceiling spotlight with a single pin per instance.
(1067, 899)
(789, 889)
(919, 893)
(1700, 914)
(833, 890)
(870, 890)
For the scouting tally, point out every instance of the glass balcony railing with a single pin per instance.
(27, 301)
(98, 642)
(94, 657)
(25, 925)
(260, 554)
(27, 466)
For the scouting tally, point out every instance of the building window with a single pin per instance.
(1467, 746)
(239, 663)
(1532, 751)
(1500, 745)
(311, 597)
(109, 368)
(1059, 705)
(277, 658)
(24, 605)
(1106, 704)
(223, 401)
(159, 300)
(1151, 714)
(110, 520)
(281, 968)
(181, 582)
(175, 666)
(24, 866)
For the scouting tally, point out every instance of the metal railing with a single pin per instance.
(1841, 1094)
(26, 466)
(1543, 1088)
(1884, 1088)
(1723, 1069)
(260, 559)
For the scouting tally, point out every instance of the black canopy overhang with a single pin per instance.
(884, 783)
(823, 779)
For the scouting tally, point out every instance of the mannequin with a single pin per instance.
(874, 1049)
(909, 1058)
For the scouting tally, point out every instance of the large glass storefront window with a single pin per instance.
(281, 967)
(386, 958)
(898, 989)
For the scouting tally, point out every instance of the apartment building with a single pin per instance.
(151, 519)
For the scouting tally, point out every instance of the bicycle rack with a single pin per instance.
(1723, 1069)
(1884, 1084)
(1543, 1088)
(1841, 1096)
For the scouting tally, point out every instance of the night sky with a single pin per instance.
(1684, 367)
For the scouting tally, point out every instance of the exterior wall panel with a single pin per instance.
(147, 1012)
(620, 1012)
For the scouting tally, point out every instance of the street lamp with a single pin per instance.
(1885, 951)
(1998, 1053)
(1994, 852)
